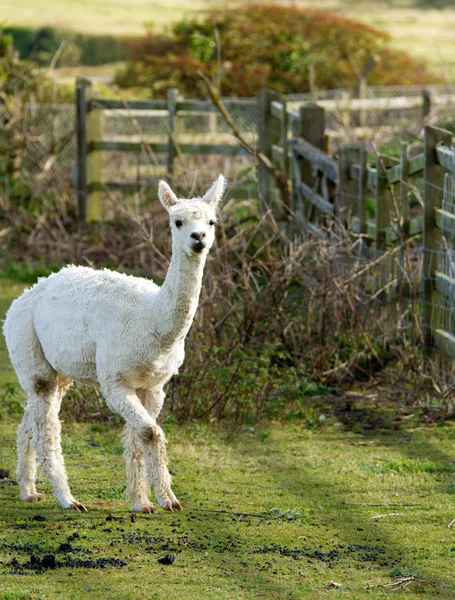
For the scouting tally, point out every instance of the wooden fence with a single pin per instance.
(347, 188)
(91, 143)
(274, 119)
(368, 196)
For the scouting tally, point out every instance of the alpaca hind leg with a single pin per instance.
(136, 473)
(153, 401)
(46, 436)
(26, 458)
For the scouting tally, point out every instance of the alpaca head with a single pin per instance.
(192, 220)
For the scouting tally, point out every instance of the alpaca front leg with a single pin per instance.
(150, 437)
(136, 472)
(160, 478)
(153, 401)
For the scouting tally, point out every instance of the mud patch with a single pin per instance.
(43, 387)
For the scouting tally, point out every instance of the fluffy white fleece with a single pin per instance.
(124, 333)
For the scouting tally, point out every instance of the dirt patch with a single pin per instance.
(365, 553)
(4, 474)
(167, 560)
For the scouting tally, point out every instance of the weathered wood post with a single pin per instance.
(433, 174)
(404, 211)
(348, 192)
(172, 96)
(94, 133)
(311, 127)
(80, 179)
(269, 134)
(383, 200)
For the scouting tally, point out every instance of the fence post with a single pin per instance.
(172, 95)
(363, 181)
(404, 211)
(269, 134)
(311, 127)
(426, 104)
(433, 174)
(80, 179)
(94, 132)
(284, 137)
(348, 192)
(382, 199)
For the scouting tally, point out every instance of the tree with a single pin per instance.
(267, 46)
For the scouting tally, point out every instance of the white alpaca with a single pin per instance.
(125, 333)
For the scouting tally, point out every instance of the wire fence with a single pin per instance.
(53, 128)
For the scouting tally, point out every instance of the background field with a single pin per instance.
(420, 30)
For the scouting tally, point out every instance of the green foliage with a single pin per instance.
(41, 45)
(27, 272)
(267, 46)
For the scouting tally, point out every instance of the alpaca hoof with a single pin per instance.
(147, 509)
(176, 504)
(35, 497)
(167, 505)
(77, 506)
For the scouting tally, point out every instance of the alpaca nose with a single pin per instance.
(198, 235)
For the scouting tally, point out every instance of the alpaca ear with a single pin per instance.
(166, 195)
(215, 193)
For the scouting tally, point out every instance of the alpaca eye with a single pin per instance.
(178, 223)
(211, 222)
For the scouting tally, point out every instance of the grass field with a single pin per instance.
(341, 502)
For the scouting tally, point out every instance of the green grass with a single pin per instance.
(8, 291)
(355, 497)
(312, 487)
(103, 16)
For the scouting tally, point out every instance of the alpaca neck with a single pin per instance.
(179, 295)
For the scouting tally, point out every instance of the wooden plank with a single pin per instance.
(194, 106)
(446, 157)
(444, 220)
(102, 103)
(310, 127)
(315, 199)
(434, 180)
(269, 135)
(445, 285)
(415, 164)
(327, 165)
(138, 147)
(276, 108)
(94, 204)
(383, 201)
(445, 342)
(416, 225)
(370, 174)
(365, 104)
(348, 188)
(239, 192)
